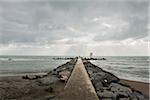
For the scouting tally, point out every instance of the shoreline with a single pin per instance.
(22, 74)
(139, 86)
(33, 74)
(44, 73)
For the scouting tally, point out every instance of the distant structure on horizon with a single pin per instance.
(91, 55)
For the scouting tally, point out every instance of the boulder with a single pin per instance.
(65, 73)
(99, 86)
(120, 90)
(47, 81)
(64, 78)
(105, 94)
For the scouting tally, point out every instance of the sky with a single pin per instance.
(74, 27)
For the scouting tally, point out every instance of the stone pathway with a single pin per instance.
(79, 86)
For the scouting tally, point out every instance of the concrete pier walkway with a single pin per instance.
(79, 86)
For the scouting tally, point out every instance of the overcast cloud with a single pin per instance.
(62, 27)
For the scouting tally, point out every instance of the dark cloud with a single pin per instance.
(133, 13)
(33, 22)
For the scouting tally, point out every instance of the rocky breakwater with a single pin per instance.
(108, 87)
(106, 84)
(49, 86)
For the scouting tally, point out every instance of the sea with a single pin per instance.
(125, 67)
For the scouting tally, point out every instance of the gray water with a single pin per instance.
(21, 65)
(132, 68)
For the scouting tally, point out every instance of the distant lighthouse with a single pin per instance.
(91, 55)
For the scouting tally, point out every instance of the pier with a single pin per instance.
(79, 85)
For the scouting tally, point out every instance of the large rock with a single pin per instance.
(105, 94)
(118, 89)
(98, 75)
(64, 69)
(65, 73)
(47, 81)
(107, 85)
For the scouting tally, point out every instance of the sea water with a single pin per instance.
(131, 68)
(22, 65)
(127, 67)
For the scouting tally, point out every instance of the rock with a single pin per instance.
(31, 77)
(64, 69)
(65, 73)
(90, 72)
(54, 72)
(25, 77)
(50, 89)
(139, 96)
(98, 86)
(105, 94)
(121, 91)
(47, 81)
(125, 99)
(98, 75)
(110, 78)
(104, 78)
(64, 78)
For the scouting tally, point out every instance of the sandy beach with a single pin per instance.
(14, 87)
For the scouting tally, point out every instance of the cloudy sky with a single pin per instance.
(45, 27)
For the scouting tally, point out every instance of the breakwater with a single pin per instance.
(106, 84)
(83, 58)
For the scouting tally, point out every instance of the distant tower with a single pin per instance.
(91, 55)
